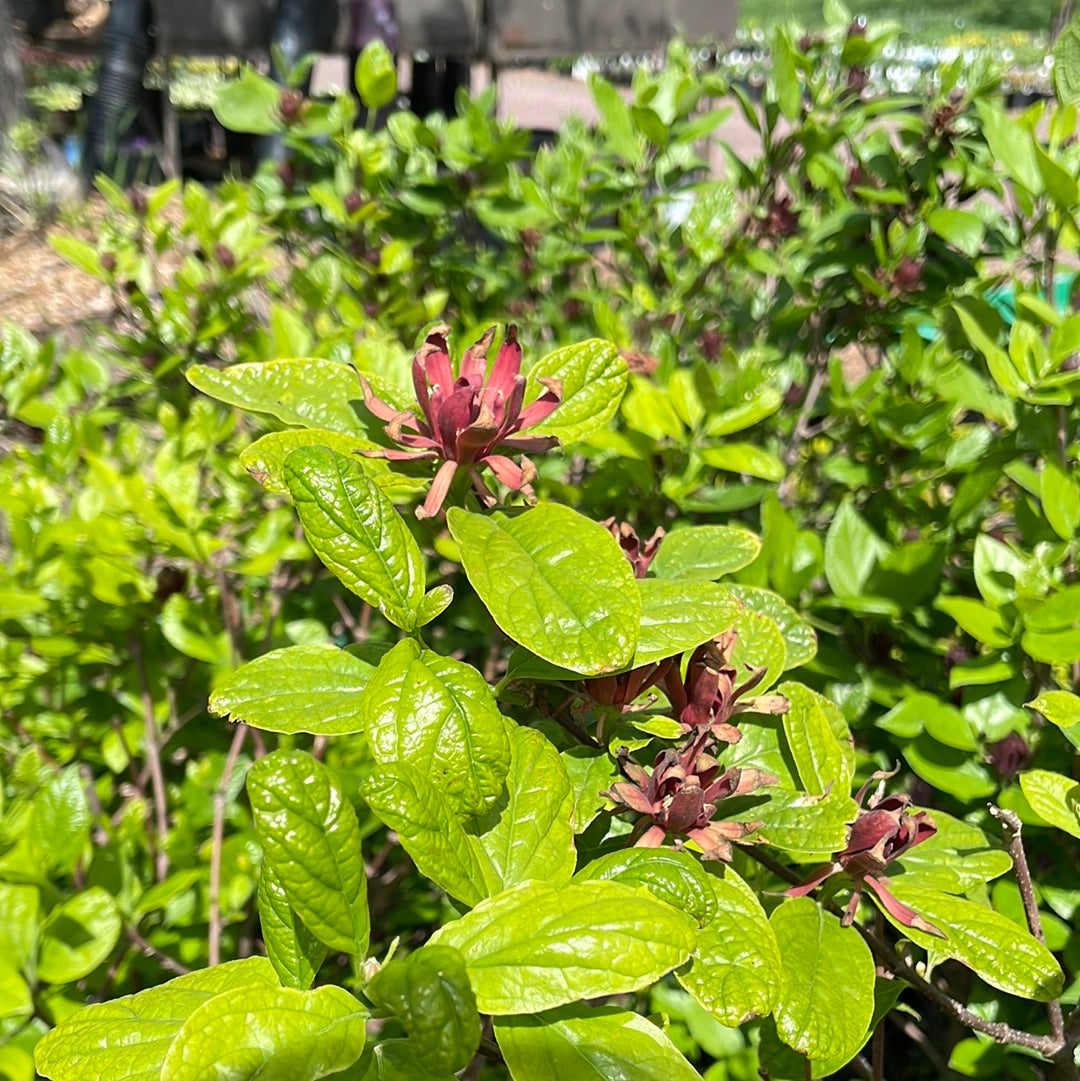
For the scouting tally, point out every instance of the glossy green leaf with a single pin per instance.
(265, 458)
(852, 549)
(953, 771)
(528, 833)
(957, 859)
(942, 721)
(980, 938)
(311, 839)
(1056, 647)
(827, 993)
(353, 528)
(1054, 797)
(960, 228)
(19, 927)
(536, 946)
(127, 1039)
(675, 877)
(1061, 708)
(800, 639)
(736, 974)
(589, 1043)
(1067, 64)
(745, 459)
(314, 688)
(617, 121)
(79, 935)
(60, 820)
(679, 615)
(593, 379)
(293, 950)
(997, 567)
(438, 715)
(1060, 495)
(590, 774)
(268, 1034)
(760, 645)
(819, 740)
(310, 393)
(16, 1001)
(1012, 145)
(429, 992)
(554, 581)
(434, 603)
(707, 551)
(430, 831)
(745, 415)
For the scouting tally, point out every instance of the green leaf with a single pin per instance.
(1054, 797)
(268, 1034)
(617, 121)
(827, 992)
(1012, 145)
(536, 946)
(745, 415)
(983, 623)
(429, 830)
(528, 833)
(19, 927)
(293, 950)
(554, 581)
(802, 823)
(311, 840)
(1067, 64)
(819, 740)
(311, 393)
(80, 254)
(249, 104)
(675, 877)
(957, 859)
(679, 615)
(376, 75)
(744, 458)
(265, 458)
(960, 228)
(79, 934)
(353, 528)
(736, 974)
(799, 637)
(1058, 647)
(707, 551)
(434, 603)
(593, 378)
(60, 820)
(429, 992)
(315, 688)
(590, 774)
(942, 721)
(589, 1043)
(759, 645)
(789, 92)
(1060, 495)
(438, 715)
(980, 937)
(1058, 707)
(127, 1039)
(952, 770)
(852, 549)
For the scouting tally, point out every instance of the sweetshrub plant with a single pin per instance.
(621, 791)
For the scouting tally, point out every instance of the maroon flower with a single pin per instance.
(623, 688)
(640, 555)
(884, 831)
(706, 697)
(468, 418)
(679, 798)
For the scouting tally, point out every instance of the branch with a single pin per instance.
(170, 964)
(217, 840)
(153, 760)
(1011, 827)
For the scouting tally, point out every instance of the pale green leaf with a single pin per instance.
(311, 839)
(127, 1039)
(827, 992)
(1054, 797)
(1060, 495)
(265, 458)
(819, 740)
(852, 549)
(528, 833)
(554, 581)
(799, 822)
(980, 938)
(430, 831)
(678, 615)
(249, 104)
(536, 946)
(589, 1043)
(1061, 708)
(984, 624)
(314, 688)
(592, 377)
(736, 974)
(376, 75)
(705, 551)
(590, 774)
(268, 1034)
(293, 950)
(744, 458)
(800, 639)
(759, 644)
(310, 392)
(60, 820)
(353, 528)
